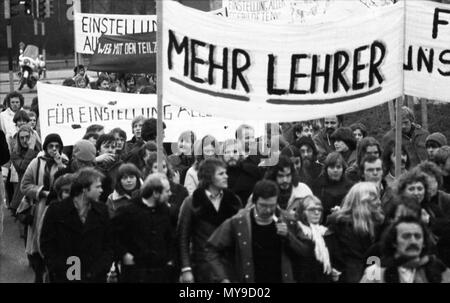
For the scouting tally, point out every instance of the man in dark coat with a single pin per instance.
(311, 168)
(261, 241)
(4, 151)
(201, 213)
(323, 140)
(413, 137)
(143, 233)
(76, 238)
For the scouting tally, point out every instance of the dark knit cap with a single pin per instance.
(437, 137)
(53, 138)
(345, 134)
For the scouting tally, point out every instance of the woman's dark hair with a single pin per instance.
(361, 127)
(69, 82)
(413, 176)
(206, 171)
(363, 145)
(105, 138)
(389, 238)
(410, 204)
(265, 189)
(89, 135)
(283, 162)
(127, 169)
(62, 181)
(389, 149)
(102, 78)
(21, 115)
(77, 69)
(34, 107)
(152, 159)
(430, 168)
(332, 160)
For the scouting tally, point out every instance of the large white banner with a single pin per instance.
(89, 27)
(427, 50)
(69, 111)
(245, 70)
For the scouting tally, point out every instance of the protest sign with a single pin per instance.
(68, 111)
(134, 53)
(256, 10)
(427, 50)
(89, 27)
(274, 72)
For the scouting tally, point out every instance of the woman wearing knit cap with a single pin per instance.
(433, 143)
(36, 184)
(345, 144)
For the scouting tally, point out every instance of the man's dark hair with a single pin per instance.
(120, 132)
(77, 69)
(363, 145)
(431, 169)
(93, 128)
(83, 179)
(153, 183)
(21, 115)
(283, 162)
(89, 135)
(265, 189)
(105, 138)
(7, 101)
(389, 238)
(102, 78)
(206, 171)
(149, 129)
(367, 159)
(69, 82)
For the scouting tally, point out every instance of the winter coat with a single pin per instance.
(32, 184)
(235, 235)
(20, 161)
(348, 249)
(64, 235)
(109, 182)
(414, 145)
(324, 145)
(181, 164)
(146, 233)
(4, 151)
(198, 219)
(331, 193)
(243, 177)
(179, 193)
(116, 201)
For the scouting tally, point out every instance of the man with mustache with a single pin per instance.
(406, 248)
(323, 141)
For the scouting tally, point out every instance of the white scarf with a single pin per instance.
(315, 232)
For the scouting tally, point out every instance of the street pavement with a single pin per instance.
(14, 266)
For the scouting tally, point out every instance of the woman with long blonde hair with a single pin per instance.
(355, 226)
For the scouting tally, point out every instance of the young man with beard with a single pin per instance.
(323, 141)
(286, 177)
(145, 244)
(78, 227)
(311, 168)
(200, 214)
(261, 240)
(413, 137)
(407, 256)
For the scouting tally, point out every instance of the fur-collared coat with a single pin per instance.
(198, 219)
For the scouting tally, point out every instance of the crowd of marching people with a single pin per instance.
(329, 209)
